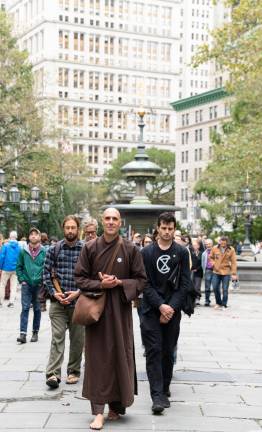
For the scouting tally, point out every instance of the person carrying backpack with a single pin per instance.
(166, 294)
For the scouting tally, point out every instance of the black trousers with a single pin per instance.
(160, 341)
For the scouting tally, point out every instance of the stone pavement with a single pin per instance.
(217, 385)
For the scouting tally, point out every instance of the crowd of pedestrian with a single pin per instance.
(155, 272)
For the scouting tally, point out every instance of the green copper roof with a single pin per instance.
(200, 99)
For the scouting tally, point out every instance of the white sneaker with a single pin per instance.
(217, 306)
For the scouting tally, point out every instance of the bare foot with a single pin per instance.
(112, 415)
(98, 422)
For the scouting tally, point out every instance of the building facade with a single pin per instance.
(95, 62)
(197, 118)
(198, 18)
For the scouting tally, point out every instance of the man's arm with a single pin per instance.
(20, 267)
(136, 282)
(178, 296)
(83, 272)
(212, 257)
(47, 272)
(233, 262)
(2, 256)
(150, 293)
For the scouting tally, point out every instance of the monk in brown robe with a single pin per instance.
(110, 376)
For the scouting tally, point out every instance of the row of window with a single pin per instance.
(110, 82)
(74, 116)
(123, 9)
(115, 46)
(185, 174)
(198, 115)
(198, 155)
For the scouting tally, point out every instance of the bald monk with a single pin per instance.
(110, 376)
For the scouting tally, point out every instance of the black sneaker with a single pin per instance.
(52, 382)
(22, 338)
(10, 305)
(34, 337)
(165, 400)
(158, 405)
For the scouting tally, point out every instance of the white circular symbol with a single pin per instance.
(119, 260)
(161, 264)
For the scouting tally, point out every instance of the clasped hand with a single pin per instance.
(167, 313)
(109, 281)
(67, 297)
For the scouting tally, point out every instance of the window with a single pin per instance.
(78, 41)
(78, 116)
(93, 117)
(79, 79)
(108, 82)
(63, 77)
(63, 39)
(63, 115)
(93, 80)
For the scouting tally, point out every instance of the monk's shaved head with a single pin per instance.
(111, 210)
(111, 221)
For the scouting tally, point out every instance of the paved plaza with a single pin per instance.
(217, 384)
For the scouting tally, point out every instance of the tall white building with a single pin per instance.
(198, 18)
(95, 62)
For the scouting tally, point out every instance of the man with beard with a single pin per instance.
(59, 280)
(114, 265)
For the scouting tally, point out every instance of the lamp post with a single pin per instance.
(248, 208)
(13, 196)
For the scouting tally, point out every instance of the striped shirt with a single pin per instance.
(64, 268)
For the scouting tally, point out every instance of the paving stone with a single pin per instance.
(22, 421)
(232, 411)
(205, 396)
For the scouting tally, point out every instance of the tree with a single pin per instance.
(20, 123)
(159, 191)
(237, 50)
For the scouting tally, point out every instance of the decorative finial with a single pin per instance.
(141, 111)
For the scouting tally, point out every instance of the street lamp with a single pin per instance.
(13, 196)
(248, 208)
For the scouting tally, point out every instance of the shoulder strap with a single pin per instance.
(111, 263)
(57, 250)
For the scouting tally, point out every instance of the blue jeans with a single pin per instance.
(216, 281)
(30, 295)
(208, 282)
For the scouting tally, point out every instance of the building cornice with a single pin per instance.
(200, 99)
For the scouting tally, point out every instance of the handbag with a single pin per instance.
(90, 305)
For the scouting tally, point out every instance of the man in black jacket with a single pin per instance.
(161, 309)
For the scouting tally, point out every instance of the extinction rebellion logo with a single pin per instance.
(161, 264)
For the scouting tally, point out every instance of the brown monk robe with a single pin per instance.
(110, 369)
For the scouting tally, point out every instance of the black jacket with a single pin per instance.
(153, 296)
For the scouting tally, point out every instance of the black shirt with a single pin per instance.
(159, 265)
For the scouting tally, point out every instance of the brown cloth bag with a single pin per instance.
(90, 306)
